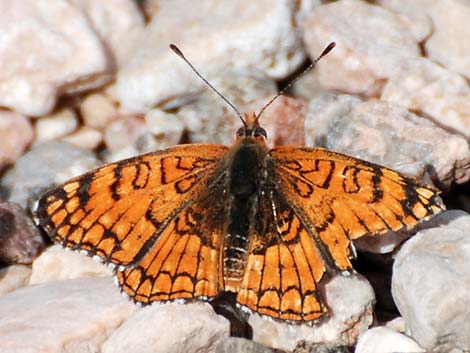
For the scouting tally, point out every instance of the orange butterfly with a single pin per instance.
(192, 221)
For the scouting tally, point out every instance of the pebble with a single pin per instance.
(370, 44)
(431, 282)
(153, 74)
(65, 316)
(449, 42)
(426, 87)
(43, 166)
(16, 133)
(49, 48)
(115, 21)
(189, 328)
(350, 301)
(13, 277)
(58, 264)
(85, 137)
(97, 110)
(385, 340)
(20, 239)
(53, 126)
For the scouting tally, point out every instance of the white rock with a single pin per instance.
(385, 340)
(166, 127)
(57, 264)
(13, 277)
(389, 135)
(168, 328)
(73, 316)
(16, 133)
(48, 47)
(449, 42)
(370, 44)
(85, 137)
(124, 132)
(117, 22)
(421, 85)
(431, 282)
(350, 301)
(224, 41)
(56, 125)
(97, 110)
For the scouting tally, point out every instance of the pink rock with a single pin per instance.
(16, 133)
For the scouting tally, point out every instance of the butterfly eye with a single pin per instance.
(240, 131)
(259, 131)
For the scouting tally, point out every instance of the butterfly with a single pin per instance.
(192, 221)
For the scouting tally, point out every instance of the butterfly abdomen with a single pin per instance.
(243, 184)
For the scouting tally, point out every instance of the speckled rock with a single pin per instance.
(370, 44)
(431, 283)
(385, 340)
(73, 316)
(190, 328)
(58, 264)
(16, 133)
(43, 166)
(13, 277)
(224, 41)
(20, 240)
(48, 48)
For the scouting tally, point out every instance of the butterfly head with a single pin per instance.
(251, 128)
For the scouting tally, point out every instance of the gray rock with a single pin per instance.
(431, 284)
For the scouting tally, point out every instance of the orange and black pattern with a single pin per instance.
(194, 220)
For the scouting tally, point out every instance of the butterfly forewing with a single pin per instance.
(120, 210)
(340, 198)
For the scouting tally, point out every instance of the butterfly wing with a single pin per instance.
(341, 198)
(284, 265)
(315, 202)
(125, 212)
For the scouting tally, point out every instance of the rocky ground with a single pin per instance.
(88, 82)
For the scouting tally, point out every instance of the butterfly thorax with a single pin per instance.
(246, 175)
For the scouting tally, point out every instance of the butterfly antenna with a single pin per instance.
(181, 55)
(281, 92)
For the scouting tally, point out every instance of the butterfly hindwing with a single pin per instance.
(283, 265)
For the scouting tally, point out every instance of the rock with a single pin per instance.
(208, 119)
(20, 240)
(48, 48)
(97, 110)
(71, 316)
(309, 347)
(85, 137)
(385, 340)
(370, 44)
(58, 124)
(153, 74)
(124, 132)
(431, 283)
(284, 122)
(13, 277)
(423, 86)
(350, 301)
(171, 327)
(16, 133)
(449, 41)
(58, 264)
(167, 128)
(241, 345)
(45, 165)
(388, 135)
(117, 22)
